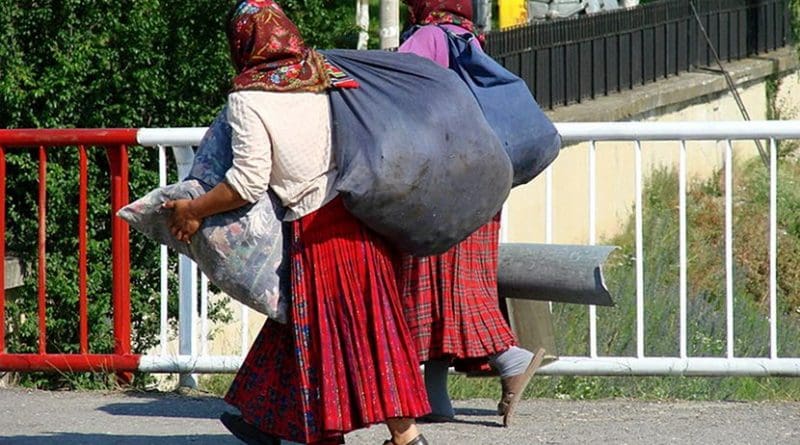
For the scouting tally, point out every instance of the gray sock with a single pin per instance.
(436, 385)
(511, 362)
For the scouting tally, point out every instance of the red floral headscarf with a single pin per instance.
(438, 12)
(269, 53)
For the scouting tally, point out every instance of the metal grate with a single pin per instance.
(567, 61)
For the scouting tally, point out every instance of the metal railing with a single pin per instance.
(681, 133)
(115, 142)
(635, 134)
(193, 354)
(570, 60)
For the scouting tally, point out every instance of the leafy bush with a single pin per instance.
(94, 64)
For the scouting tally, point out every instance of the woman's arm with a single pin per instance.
(246, 181)
(188, 214)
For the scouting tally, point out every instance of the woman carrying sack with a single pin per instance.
(345, 360)
(450, 300)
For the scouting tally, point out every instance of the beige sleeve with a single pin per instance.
(252, 150)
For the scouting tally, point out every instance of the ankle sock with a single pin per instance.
(513, 361)
(436, 386)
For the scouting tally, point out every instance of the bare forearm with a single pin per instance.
(188, 214)
(219, 199)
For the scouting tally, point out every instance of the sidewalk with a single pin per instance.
(39, 417)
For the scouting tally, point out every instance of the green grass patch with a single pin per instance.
(643, 388)
(216, 384)
(706, 324)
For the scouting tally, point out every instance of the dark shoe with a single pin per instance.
(419, 440)
(514, 386)
(245, 432)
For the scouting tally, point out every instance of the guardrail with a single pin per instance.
(115, 142)
(193, 353)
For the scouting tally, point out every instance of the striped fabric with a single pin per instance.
(450, 300)
(346, 360)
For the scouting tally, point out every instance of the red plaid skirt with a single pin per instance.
(346, 360)
(450, 300)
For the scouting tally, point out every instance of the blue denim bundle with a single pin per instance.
(418, 162)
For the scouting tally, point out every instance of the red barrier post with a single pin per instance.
(83, 304)
(42, 250)
(3, 249)
(118, 160)
(115, 142)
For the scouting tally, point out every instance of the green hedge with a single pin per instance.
(94, 64)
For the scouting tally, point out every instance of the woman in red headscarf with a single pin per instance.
(346, 359)
(450, 300)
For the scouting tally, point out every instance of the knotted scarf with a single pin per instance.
(268, 52)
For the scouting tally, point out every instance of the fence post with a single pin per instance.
(187, 278)
(362, 21)
(389, 24)
(120, 254)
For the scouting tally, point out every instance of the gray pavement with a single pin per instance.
(40, 417)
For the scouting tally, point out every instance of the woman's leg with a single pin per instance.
(511, 362)
(403, 430)
(516, 367)
(436, 372)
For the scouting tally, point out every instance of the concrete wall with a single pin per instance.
(615, 160)
(697, 96)
(615, 174)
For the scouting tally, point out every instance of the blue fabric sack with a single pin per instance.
(529, 137)
(417, 161)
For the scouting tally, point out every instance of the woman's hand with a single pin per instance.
(188, 214)
(184, 221)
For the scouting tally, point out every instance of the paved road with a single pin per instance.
(39, 417)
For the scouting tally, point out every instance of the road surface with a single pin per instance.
(41, 417)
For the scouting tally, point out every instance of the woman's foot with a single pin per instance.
(514, 386)
(245, 432)
(419, 440)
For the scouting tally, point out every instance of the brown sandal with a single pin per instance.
(419, 440)
(514, 386)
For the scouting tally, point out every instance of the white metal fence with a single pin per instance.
(193, 353)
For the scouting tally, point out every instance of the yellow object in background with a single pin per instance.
(512, 12)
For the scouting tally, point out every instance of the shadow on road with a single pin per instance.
(461, 413)
(116, 439)
(167, 406)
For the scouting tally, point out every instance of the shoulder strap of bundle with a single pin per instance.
(408, 33)
(467, 36)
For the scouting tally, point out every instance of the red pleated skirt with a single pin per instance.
(346, 359)
(450, 300)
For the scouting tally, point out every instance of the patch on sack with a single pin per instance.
(339, 79)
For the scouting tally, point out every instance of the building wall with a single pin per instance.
(615, 181)
(699, 96)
